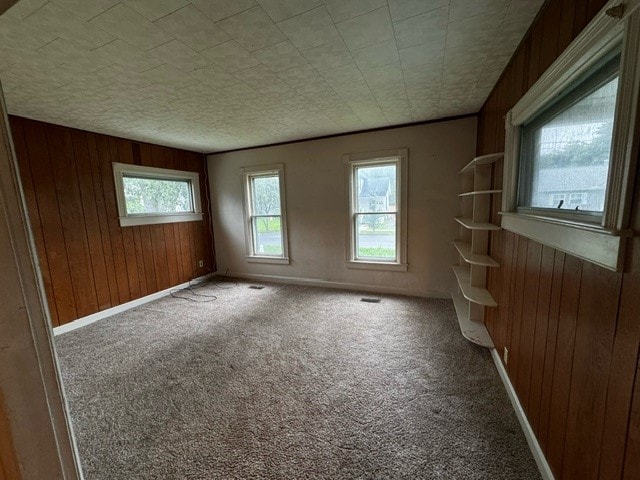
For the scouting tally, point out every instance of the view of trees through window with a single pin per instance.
(157, 196)
(376, 211)
(266, 215)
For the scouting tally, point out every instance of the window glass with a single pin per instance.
(265, 195)
(376, 188)
(566, 151)
(156, 196)
(267, 238)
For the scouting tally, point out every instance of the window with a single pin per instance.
(377, 210)
(265, 217)
(148, 195)
(571, 144)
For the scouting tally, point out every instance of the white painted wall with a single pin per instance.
(317, 207)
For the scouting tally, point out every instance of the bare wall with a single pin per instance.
(317, 206)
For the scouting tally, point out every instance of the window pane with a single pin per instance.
(153, 195)
(570, 154)
(376, 236)
(265, 195)
(376, 186)
(267, 236)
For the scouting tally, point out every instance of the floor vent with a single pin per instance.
(370, 300)
(256, 287)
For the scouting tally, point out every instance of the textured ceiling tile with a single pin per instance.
(23, 9)
(428, 27)
(422, 54)
(130, 26)
(376, 55)
(523, 9)
(471, 31)
(84, 9)
(281, 56)
(218, 9)
(124, 54)
(368, 29)
(280, 10)
(253, 29)
(328, 56)
(310, 29)
(155, 9)
(178, 55)
(231, 56)
(465, 9)
(297, 76)
(341, 10)
(215, 77)
(401, 9)
(193, 28)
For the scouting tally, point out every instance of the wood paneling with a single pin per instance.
(88, 262)
(8, 462)
(571, 327)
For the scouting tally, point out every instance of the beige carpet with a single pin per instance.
(288, 382)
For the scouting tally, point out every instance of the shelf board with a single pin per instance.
(483, 160)
(479, 192)
(475, 332)
(471, 225)
(478, 295)
(464, 249)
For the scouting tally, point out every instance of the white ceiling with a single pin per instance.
(212, 75)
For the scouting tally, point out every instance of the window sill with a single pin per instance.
(593, 243)
(270, 260)
(394, 267)
(132, 221)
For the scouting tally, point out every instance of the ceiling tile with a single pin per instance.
(401, 9)
(341, 10)
(368, 29)
(424, 53)
(310, 29)
(230, 55)
(193, 28)
(253, 29)
(84, 9)
(155, 9)
(218, 9)
(428, 27)
(464, 9)
(122, 53)
(281, 56)
(128, 25)
(178, 55)
(471, 31)
(297, 76)
(328, 56)
(214, 76)
(376, 55)
(280, 10)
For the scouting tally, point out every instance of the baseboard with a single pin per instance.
(316, 282)
(538, 454)
(94, 317)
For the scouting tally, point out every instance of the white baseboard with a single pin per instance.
(94, 317)
(316, 282)
(538, 454)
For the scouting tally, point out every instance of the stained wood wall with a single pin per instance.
(571, 327)
(89, 263)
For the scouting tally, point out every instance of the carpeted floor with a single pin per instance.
(288, 382)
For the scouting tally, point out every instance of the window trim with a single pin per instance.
(603, 242)
(120, 170)
(247, 173)
(351, 161)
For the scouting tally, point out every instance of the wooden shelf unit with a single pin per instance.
(472, 296)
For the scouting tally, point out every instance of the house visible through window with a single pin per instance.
(265, 214)
(148, 195)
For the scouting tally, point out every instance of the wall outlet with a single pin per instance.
(505, 355)
(201, 263)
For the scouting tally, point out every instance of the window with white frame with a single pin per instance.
(376, 184)
(572, 143)
(265, 214)
(149, 195)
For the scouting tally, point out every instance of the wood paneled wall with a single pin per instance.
(89, 263)
(571, 327)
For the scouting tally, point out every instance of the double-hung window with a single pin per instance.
(265, 214)
(376, 184)
(571, 144)
(149, 195)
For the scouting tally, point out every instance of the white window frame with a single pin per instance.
(120, 170)
(247, 174)
(351, 162)
(602, 243)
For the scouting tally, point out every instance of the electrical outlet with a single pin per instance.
(505, 355)
(201, 263)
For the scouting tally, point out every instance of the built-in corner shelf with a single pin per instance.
(472, 296)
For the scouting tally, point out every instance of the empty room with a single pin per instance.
(323, 239)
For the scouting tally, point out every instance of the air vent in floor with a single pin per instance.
(370, 300)
(256, 287)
